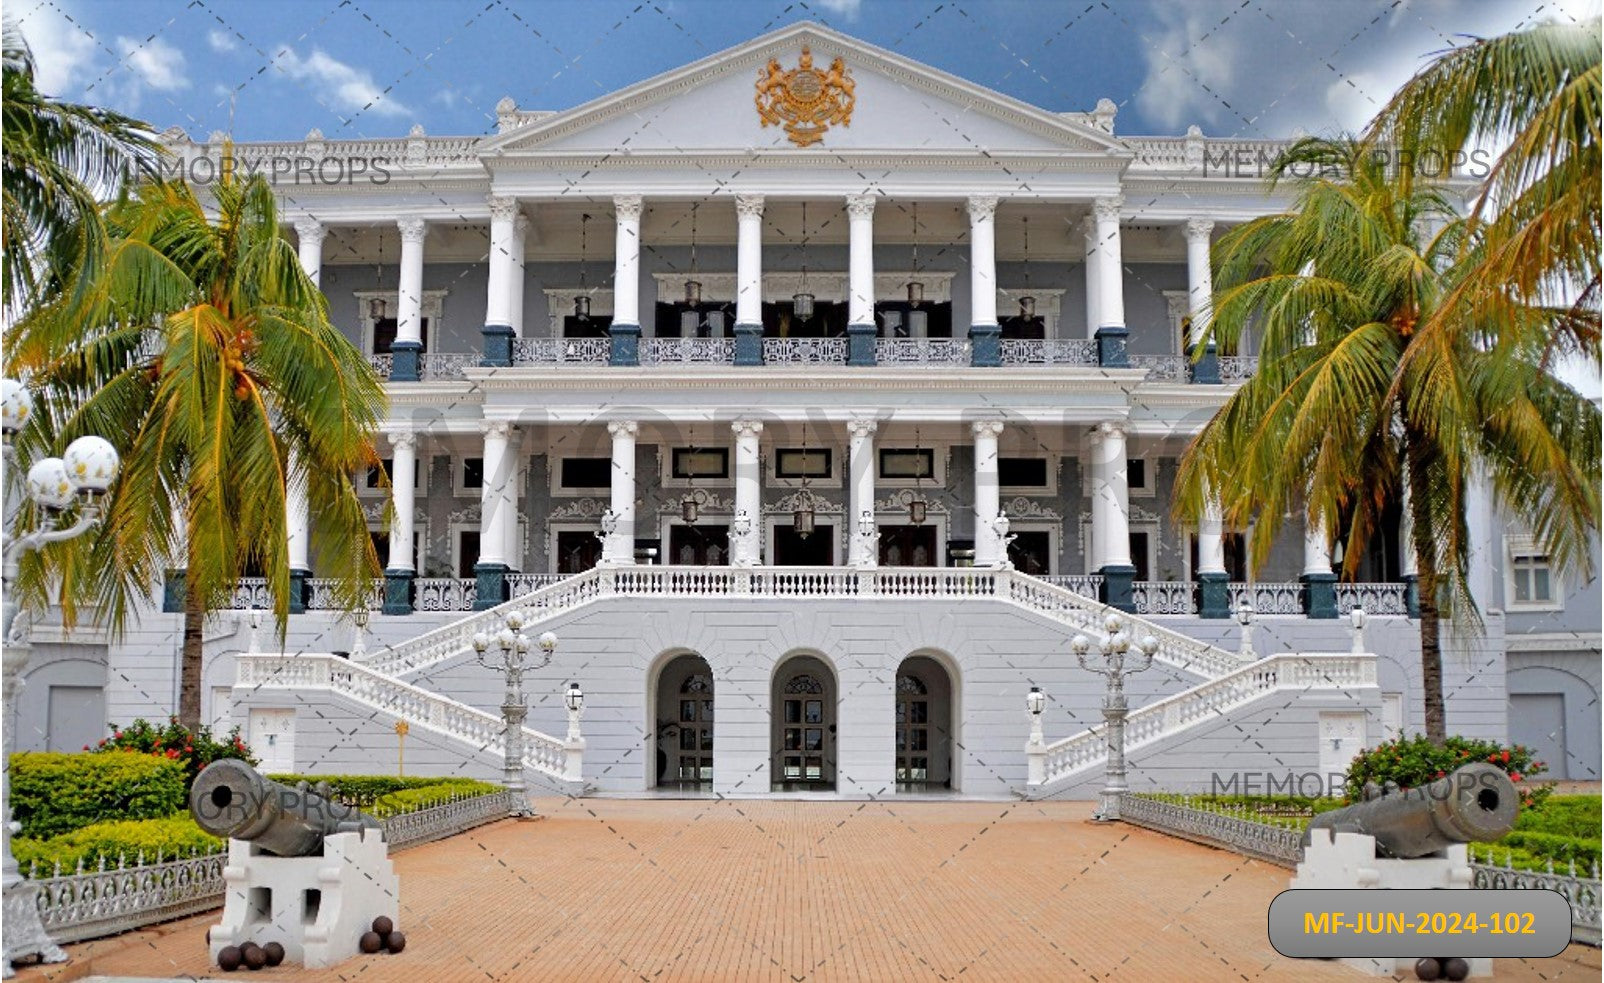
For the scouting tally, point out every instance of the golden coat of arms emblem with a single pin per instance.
(805, 100)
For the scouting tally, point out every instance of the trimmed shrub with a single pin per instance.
(363, 791)
(54, 793)
(1565, 815)
(194, 750)
(414, 799)
(166, 839)
(1416, 761)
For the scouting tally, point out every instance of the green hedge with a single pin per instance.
(54, 793)
(414, 799)
(1565, 815)
(363, 791)
(165, 839)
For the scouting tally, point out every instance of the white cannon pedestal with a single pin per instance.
(315, 907)
(1348, 860)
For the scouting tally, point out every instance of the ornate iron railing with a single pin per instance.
(90, 904)
(549, 351)
(1237, 368)
(445, 593)
(1268, 598)
(697, 351)
(1165, 368)
(1051, 351)
(1580, 890)
(321, 594)
(1276, 844)
(1374, 598)
(922, 351)
(383, 365)
(1085, 584)
(1164, 597)
(805, 351)
(448, 365)
(251, 592)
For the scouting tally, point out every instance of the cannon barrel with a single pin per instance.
(1476, 803)
(233, 800)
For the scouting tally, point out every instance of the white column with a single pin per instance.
(1408, 562)
(1094, 303)
(520, 232)
(1199, 277)
(409, 321)
(309, 233)
(1110, 279)
(860, 260)
(515, 483)
(403, 477)
(626, 262)
(1211, 538)
(982, 263)
(495, 506)
(749, 259)
(989, 547)
(1111, 497)
(748, 493)
(503, 259)
(1316, 548)
(619, 547)
(860, 460)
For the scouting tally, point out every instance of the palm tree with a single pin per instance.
(1353, 393)
(56, 160)
(1525, 109)
(210, 353)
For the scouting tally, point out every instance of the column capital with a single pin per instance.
(496, 429)
(309, 230)
(520, 224)
(623, 428)
(987, 428)
(981, 207)
(412, 229)
(1108, 209)
(403, 438)
(747, 428)
(503, 208)
(1088, 225)
(627, 208)
(1110, 428)
(1199, 229)
(749, 206)
(861, 206)
(862, 426)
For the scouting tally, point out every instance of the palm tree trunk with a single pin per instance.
(190, 660)
(1426, 569)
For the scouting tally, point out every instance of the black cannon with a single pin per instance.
(231, 799)
(1476, 803)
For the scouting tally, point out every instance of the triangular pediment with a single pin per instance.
(898, 105)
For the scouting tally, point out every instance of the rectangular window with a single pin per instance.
(1533, 580)
(919, 462)
(1136, 474)
(473, 472)
(1022, 472)
(795, 462)
(587, 472)
(701, 462)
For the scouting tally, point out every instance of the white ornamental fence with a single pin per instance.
(1283, 845)
(1079, 753)
(1076, 612)
(91, 904)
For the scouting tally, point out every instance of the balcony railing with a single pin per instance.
(922, 351)
(1165, 368)
(804, 351)
(1164, 597)
(1285, 598)
(1050, 351)
(552, 351)
(448, 365)
(687, 351)
(1238, 368)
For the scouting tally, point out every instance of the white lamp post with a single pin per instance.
(1356, 618)
(1035, 748)
(1244, 617)
(79, 477)
(514, 646)
(1115, 647)
(574, 700)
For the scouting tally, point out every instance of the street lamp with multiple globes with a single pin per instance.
(79, 477)
(514, 646)
(1115, 647)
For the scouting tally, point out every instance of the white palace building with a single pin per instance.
(816, 400)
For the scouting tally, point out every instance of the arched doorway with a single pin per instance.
(684, 723)
(925, 715)
(803, 736)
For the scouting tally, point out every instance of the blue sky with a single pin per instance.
(373, 68)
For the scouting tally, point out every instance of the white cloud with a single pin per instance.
(64, 53)
(848, 9)
(157, 63)
(220, 41)
(345, 86)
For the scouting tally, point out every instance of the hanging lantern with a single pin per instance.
(693, 292)
(802, 520)
(802, 300)
(378, 308)
(916, 293)
(582, 299)
(693, 287)
(1027, 307)
(802, 306)
(916, 289)
(690, 509)
(917, 510)
(582, 307)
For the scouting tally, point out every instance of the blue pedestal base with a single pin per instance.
(498, 345)
(1111, 352)
(1320, 595)
(749, 344)
(491, 584)
(985, 344)
(1206, 370)
(1117, 587)
(1214, 595)
(406, 361)
(860, 344)
(173, 592)
(625, 349)
(397, 592)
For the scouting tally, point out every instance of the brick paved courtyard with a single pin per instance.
(611, 889)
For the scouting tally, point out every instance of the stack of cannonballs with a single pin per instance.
(1442, 969)
(250, 955)
(384, 937)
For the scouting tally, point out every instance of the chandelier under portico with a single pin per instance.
(582, 299)
(916, 287)
(1027, 303)
(803, 517)
(802, 300)
(377, 308)
(693, 286)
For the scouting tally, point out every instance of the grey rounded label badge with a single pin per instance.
(1322, 924)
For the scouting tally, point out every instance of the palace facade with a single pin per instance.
(816, 400)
